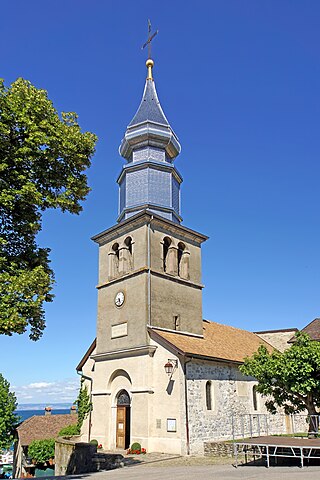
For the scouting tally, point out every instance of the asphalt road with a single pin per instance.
(225, 472)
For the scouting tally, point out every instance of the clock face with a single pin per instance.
(119, 299)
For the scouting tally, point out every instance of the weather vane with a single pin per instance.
(150, 38)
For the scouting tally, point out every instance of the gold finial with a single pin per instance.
(149, 65)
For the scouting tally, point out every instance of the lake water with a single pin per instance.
(24, 414)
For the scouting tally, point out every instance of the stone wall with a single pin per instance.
(231, 397)
(233, 414)
(218, 449)
(279, 339)
(72, 458)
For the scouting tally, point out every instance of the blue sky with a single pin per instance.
(239, 83)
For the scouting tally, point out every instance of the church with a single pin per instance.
(157, 373)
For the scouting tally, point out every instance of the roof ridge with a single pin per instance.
(230, 326)
(27, 420)
(220, 343)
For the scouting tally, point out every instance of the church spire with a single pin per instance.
(150, 180)
(149, 125)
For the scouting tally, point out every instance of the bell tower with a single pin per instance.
(149, 264)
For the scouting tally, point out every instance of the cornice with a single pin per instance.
(149, 133)
(142, 218)
(150, 207)
(133, 391)
(127, 352)
(145, 269)
(163, 166)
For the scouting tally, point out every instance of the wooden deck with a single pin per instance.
(283, 441)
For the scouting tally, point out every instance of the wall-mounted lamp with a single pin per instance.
(170, 366)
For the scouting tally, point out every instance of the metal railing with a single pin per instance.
(250, 425)
(261, 424)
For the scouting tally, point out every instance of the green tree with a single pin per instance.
(41, 450)
(290, 379)
(8, 419)
(43, 158)
(84, 405)
(69, 431)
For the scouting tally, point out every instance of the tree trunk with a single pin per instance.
(314, 417)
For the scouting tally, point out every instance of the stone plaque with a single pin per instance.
(119, 330)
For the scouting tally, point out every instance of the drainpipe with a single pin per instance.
(149, 272)
(82, 375)
(186, 403)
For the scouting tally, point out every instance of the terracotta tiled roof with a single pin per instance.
(312, 329)
(220, 342)
(40, 427)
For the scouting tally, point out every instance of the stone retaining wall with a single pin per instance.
(218, 449)
(73, 457)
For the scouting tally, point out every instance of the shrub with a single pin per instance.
(69, 431)
(136, 446)
(136, 449)
(41, 450)
(94, 442)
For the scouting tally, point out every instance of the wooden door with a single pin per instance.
(121, 427)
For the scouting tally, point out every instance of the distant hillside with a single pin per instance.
(41, 406)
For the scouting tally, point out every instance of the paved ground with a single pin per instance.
(163, 467)
(157, 466)
(217, 472)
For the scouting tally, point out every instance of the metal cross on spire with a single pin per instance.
(150, 38)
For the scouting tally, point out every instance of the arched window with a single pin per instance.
(255, 398)
(128, 243)
(126, 259)
(181, 249)
(115, 248)
(123, 398)
(183, 261)
(166, 245)
(209, 403)
(114, 261)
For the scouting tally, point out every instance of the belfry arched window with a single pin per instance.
(127, 258)
(183, 261)
(181, 249)
(114, 261)
(166, 245)
(128, 243)
(115, 248)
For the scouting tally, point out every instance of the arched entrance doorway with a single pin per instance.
(123, 420)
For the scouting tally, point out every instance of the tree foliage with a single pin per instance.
(43, 158)
(8, 419)
(291, 378)
(69, 430)
(84, 405)
(41, 451)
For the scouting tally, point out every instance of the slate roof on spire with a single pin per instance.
(150, 108)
